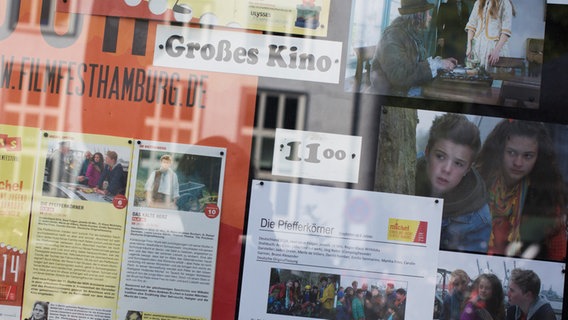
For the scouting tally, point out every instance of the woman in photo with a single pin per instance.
(39, 312)
(488, 30)
(446, 172)
(486, 301)
(94, 169)
(527, 195)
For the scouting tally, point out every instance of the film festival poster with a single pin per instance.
(187, 110)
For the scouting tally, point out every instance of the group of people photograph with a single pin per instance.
(489, 297)
(314, 295)
(101, 172)
(306, 295)
(383, 300)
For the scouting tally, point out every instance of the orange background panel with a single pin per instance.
(226, 119)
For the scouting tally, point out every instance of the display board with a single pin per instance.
(269, 159)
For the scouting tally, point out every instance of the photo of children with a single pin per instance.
(82, 170)
(374, 298)
(488, 287)
(303, 293)
(502, 185)
(177, 181)
(335, 297)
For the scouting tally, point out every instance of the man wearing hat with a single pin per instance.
(400, 64)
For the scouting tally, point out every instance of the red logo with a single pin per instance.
(10, 143)
(119, 201)
(211, 210)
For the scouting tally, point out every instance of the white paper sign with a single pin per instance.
(172, 231)
(305, 233)
(316, 155)
(248, 54)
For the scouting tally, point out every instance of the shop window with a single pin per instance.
(274, 109)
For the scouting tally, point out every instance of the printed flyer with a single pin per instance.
(303, 238)
(18, 146)
(172, 231)
(77, 226)
(300, 17)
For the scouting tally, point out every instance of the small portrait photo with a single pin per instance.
(133, 315)
(177, 181)
(39, 311)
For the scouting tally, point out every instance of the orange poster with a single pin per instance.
(94, 75)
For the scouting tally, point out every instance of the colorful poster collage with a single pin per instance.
(274, 159)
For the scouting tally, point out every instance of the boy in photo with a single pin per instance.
(446, 172)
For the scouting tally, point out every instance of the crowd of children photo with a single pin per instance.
(327, 299)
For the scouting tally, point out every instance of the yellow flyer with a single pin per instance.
(77, 226)
(300, 17)
(18, 147)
